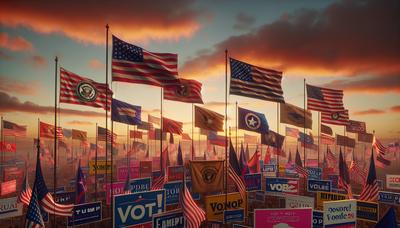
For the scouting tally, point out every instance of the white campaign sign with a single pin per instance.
(10, 208)
(340, 212)
(393, 181)
(299, 201)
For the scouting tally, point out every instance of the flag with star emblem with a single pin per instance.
(272, 139)
(293, 115)
(126, 113)
(335, 118)
(256, 82)
(188, 91)
(252, 121)
(134, 64)
(207, 119)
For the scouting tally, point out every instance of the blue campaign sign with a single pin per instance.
(137, 208)
(234, 215)
(65, 197)
(85, 213)
(253, 181)
(172, 190)
(269, 168)
(282, 185)
(140, 185)
(335, 179)
(314, 173)
(389, 198)
(169, 219)
(318, 219)
(319, 185)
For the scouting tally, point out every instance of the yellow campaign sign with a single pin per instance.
(328, 196)
(215, 205)
(101, 167)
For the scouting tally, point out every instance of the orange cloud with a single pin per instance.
(133, 20)
(14, 43)
(14, 86)
(369, 112)
(78, 122)
(37, 61)
(13, 104)
(96, 64)
(395, 108)
(346, 38)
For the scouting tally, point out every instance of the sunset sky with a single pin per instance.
(349, 45)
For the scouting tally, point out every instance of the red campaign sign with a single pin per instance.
(122, 173)
(8, 147)
(156, 163)
(8, 187)
(175, 173)
(13, 173)
(146, 168)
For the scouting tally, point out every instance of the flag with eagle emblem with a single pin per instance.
(188, 91)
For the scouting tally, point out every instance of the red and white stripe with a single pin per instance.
(358, 174)
(370, 192)
(343, 117)
(301, 170)
(52, 207)
(157, 69)
(25, 196)
(346, 186)
(192, 88)
(380, 148)
(158, 183)
(333, 101)
(68, 85)
(32, 224)
(238, 182)
(191, 211)
(172, 126)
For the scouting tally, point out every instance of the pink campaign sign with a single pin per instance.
(273, 218)
(118, 188)
(122, 173)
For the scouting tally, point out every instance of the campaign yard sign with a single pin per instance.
(318, 219)
(169, 219)
(215, 205)
(146, 168)
(294, 217)
(137, 208)
(314, 173)
(252, 181)
(65, 197)
(122, 173)
(85, 213)
(140, 185)
(234, 215)
(269, 170)
(282, 185)
(299, 201)
(10, 208)
(392, 198)
(393, 182)
(172, 190)
(340, 213)
(175, 173)
(367, 211)
(102, 167)
(116, 188)
(319, 186)
(328, 196)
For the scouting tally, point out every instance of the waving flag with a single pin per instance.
(135, 134)
(292, 132)
(215, 139)
(365, 137)
(380, 148)
(185, 136)
(324, 100)
(145, 126)
(80, 186)
(252, 121)
(234, 171)
(388, 220)
(193, 214)
(330, 156)
(299, 165)
(188, 91)
(357, 173)
(272, 139)
(47, 131)
(103, 133)
(256, 82)
(172, 126)
(293, 115)
(75, 89)
(243, 161)
(308, 139)
(26, 192)
(207, 119)
(134, 64)
(13, 129)
(326, 139)
(154, 119)
(254, 162)
(335, 118)
(79, 135)
(8, 147)
(371, 188)
(126, 113)
(33, 217)
(179, 158)
(326, 130)
(344, 178)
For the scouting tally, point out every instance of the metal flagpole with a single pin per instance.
(226, 129)
(161, 130)
(1, 148)
(105, 179)
(95, 165)
(304, 127)
(278, 151)
(127, 147)
(237, 124)
(55, 135)
(319, 134)
(192, 149)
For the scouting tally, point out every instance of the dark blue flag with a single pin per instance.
(80, 186)
(252, 121)
(126, 113)
(388, 220)
(180, 157)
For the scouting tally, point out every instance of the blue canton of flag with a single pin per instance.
(304, 137)
(33, 215)
(126, 113)
(252, 121)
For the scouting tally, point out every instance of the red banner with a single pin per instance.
(8, 187)
(8, 147)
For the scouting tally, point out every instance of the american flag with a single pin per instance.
(172, 126)
(380, 148)
(75, 89)
(330, 156)
(324, 100)
(344, 177)
(381, 161)
(101, 134)
(13, 129)
(33, 217)
(256, 82)
(292, 132)
(371, 188)
(234, 171)
(47, 131)
(357, 173)
(326, 139)
(191, 211)
(335, 118)
(154, 120)
(299, 165)
(26, 192)
(133, 64)
(158, 183)
(187, 90)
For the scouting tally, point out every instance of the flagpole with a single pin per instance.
(237, 123)
(127, 147)
(304, 127)
(55, 134)
(161, 130)
(319, 134)
(95, 165)
(1, 148)
(192, 149)
(277, 130)
(345, 143)
(226, 129)
(105, 179)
